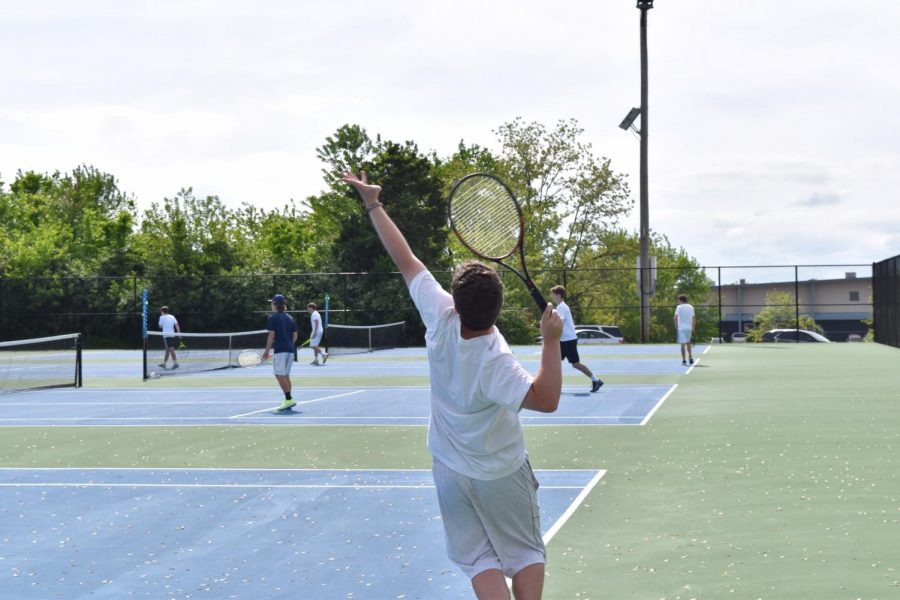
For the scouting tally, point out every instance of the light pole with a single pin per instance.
(646, 284)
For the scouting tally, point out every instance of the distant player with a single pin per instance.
(315, 338)
(568, 343)
(282, 339)
(685, 324)
(169, 326)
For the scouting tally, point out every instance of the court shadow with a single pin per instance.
(577, 394)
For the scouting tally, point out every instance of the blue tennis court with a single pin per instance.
(234, 533)
(612, 405)
(272, 533)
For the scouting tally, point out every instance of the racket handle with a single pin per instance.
(538, 299)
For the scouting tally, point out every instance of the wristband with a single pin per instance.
(372, 207)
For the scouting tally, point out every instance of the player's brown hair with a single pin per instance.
(477, 295)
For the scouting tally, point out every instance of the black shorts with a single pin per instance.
(169, 342)
(569, 350)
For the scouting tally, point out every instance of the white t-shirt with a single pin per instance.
(477, 389)
(568, 332)
(314, 318)
(684, 313)
(167, 323)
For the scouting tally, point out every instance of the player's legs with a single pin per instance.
(584, 369)
(490, 585)
(284, 381)
(569, 351)
(528, 583)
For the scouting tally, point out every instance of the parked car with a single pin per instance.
(591, 336)
(855, 337)
(612, 330)
(793, 335)
(739, 336)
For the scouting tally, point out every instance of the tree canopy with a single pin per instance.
(81, 224)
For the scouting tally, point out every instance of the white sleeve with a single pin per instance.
(430, 298)
(506, 382)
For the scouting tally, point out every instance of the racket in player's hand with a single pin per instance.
(182, 349)
(551, 325)
(249, 358)
(487, 219)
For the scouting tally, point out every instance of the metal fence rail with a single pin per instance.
(107, 310)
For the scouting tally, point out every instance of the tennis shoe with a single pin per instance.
(691, 361)
(684, 363)
(287, 404)
(175, 366)
(315, 362)
(596, 385)
(324, 357)
(163, 365)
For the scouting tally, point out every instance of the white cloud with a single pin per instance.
(762, 114)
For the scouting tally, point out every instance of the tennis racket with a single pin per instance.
(308, 340)
(249, 358)
(182, 350)
(487, 219)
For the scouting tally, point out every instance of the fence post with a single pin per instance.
(719, 270)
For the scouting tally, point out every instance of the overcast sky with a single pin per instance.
(774, 136)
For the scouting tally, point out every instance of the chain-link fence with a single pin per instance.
(107, 310)
(886, 305)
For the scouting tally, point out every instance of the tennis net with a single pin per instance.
(356, 339)
(39, 363)
(198, 352)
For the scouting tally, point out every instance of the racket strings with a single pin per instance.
(486, 218)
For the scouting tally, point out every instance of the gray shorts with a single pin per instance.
(282, 363)
(490, 524)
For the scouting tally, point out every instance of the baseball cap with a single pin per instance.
(277, 299)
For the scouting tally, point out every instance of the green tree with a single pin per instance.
(604, 291)
(411, 191)
(65, 224)
(569, 195)
(780, 312)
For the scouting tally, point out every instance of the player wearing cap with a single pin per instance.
(282, 339)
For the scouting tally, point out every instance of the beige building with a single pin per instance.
(839, 306)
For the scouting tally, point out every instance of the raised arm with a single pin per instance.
(547, 387)
(391, 238)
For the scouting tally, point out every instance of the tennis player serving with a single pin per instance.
(478, 386)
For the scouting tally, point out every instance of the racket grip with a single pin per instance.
(538, 298)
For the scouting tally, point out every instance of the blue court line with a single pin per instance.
(612, 405)
(243, 533)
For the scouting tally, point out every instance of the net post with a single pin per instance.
(79, 347)
(144, 307)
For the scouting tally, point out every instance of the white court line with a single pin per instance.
(573, 507)
(658, 404)
(316, 486)
(270, 409)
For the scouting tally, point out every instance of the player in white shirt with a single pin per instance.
(315, 338)
(169, 326)
(568, 343)
(685, 324)
(485, 486)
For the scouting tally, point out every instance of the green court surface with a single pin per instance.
(770, 472)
